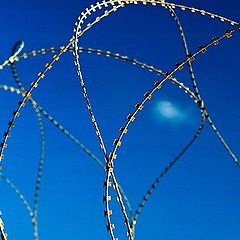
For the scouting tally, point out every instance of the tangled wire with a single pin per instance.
(99, 11)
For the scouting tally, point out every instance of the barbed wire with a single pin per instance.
(102, 10)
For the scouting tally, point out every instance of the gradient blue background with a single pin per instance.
(199, 199)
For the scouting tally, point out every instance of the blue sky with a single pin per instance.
(198, 199)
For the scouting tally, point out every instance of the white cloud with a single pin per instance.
(170, 112)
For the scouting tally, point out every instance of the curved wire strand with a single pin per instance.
(18, 192)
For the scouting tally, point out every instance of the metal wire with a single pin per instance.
(102, 10)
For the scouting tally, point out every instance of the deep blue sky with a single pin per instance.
(199, 199)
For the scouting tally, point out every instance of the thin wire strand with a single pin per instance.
(3, 235)
(19, 194)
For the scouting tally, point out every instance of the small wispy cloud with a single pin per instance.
(171, 112)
